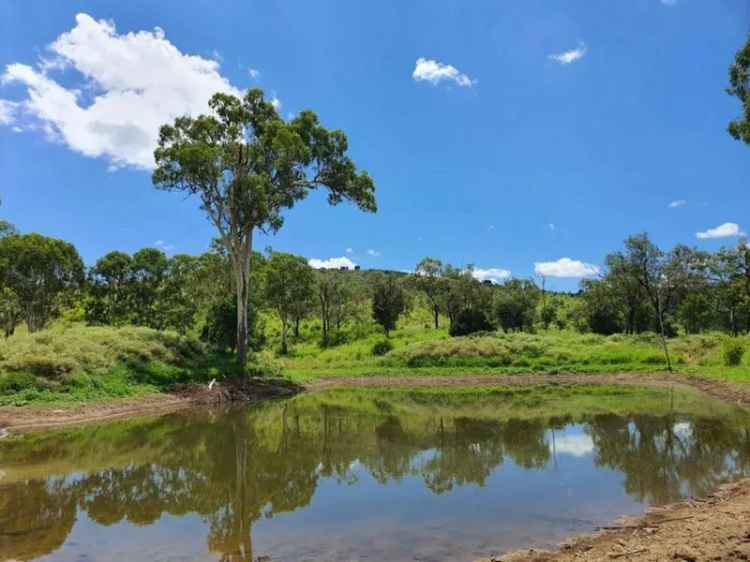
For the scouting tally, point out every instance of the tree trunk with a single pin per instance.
(437, 315)
(284, 345)
(243, 292)
(660, 314)
(296, 328)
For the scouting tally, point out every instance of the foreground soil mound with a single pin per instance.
(713, 528)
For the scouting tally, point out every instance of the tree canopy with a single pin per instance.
(248, 165)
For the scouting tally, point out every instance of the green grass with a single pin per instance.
(75, 363)
(79, 363)
(419, 350)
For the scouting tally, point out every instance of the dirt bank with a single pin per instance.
(27, 418)
(728, 392)
(35, 417)
(712, 528)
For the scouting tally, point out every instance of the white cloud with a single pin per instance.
(432, 71)
(254, 73)
(567, 57)
(565, 267)
(350, 251)
(677, 203)
(276, 103)
(164, 247)
(132, 84)
(726, 230)
(332, 263)
(373, 253)
(578, 445)
(7, 112)
(494, 274)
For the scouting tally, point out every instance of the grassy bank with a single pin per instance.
(79, 363)
(76, 363)
(418, 350)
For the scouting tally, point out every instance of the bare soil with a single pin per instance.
(28, 418)
(713, 528)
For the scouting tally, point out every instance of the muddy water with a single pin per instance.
(366, 475)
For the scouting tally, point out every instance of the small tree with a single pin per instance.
(39, 270)
(248, 165)
(515, 305)
(739, 87)
(289, 284)
(429, 280)
(335, 298)
(388, 302)
(10, 311)
(109, 290)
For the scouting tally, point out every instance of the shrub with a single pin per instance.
(470, 321)
(382, 347)
(732, 351)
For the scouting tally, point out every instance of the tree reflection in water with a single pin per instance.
(237, 467)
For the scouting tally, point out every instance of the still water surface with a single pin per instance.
(367, 475)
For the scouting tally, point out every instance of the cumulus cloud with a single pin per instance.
(434, 72)
(565, 267)
(677, 204)
(129, 85)
(350, 251)
(7, 112)
(494, 274)
(577, 445)
(567, 57)
(726, 230)
(332, 263)
(373, 253)
(254, 73)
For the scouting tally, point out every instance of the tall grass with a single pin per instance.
(82, 363)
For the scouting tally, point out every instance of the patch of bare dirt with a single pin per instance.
(728, 392)
(713, 528)
(27, 418)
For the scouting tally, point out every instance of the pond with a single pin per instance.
(364, 475)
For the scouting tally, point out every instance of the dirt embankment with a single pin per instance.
(27, 418)
(713, 528)
(33, 417)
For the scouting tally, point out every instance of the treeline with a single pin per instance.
(642, 288)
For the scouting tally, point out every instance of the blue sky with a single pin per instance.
(491, 151)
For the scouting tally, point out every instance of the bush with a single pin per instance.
(470, 321)
(732, 351)
(382, 347)
(17, 382)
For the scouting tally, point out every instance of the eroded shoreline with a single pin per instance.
(29, 418)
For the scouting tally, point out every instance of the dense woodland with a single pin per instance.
(641, 289)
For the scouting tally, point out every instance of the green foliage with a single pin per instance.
(42, 272)
(739, 72)
(289, 289)
(514, 305)
(732, 352)
(382, 347)
(388, 302)
(220, 328)
(470, 321)
(248, 165)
